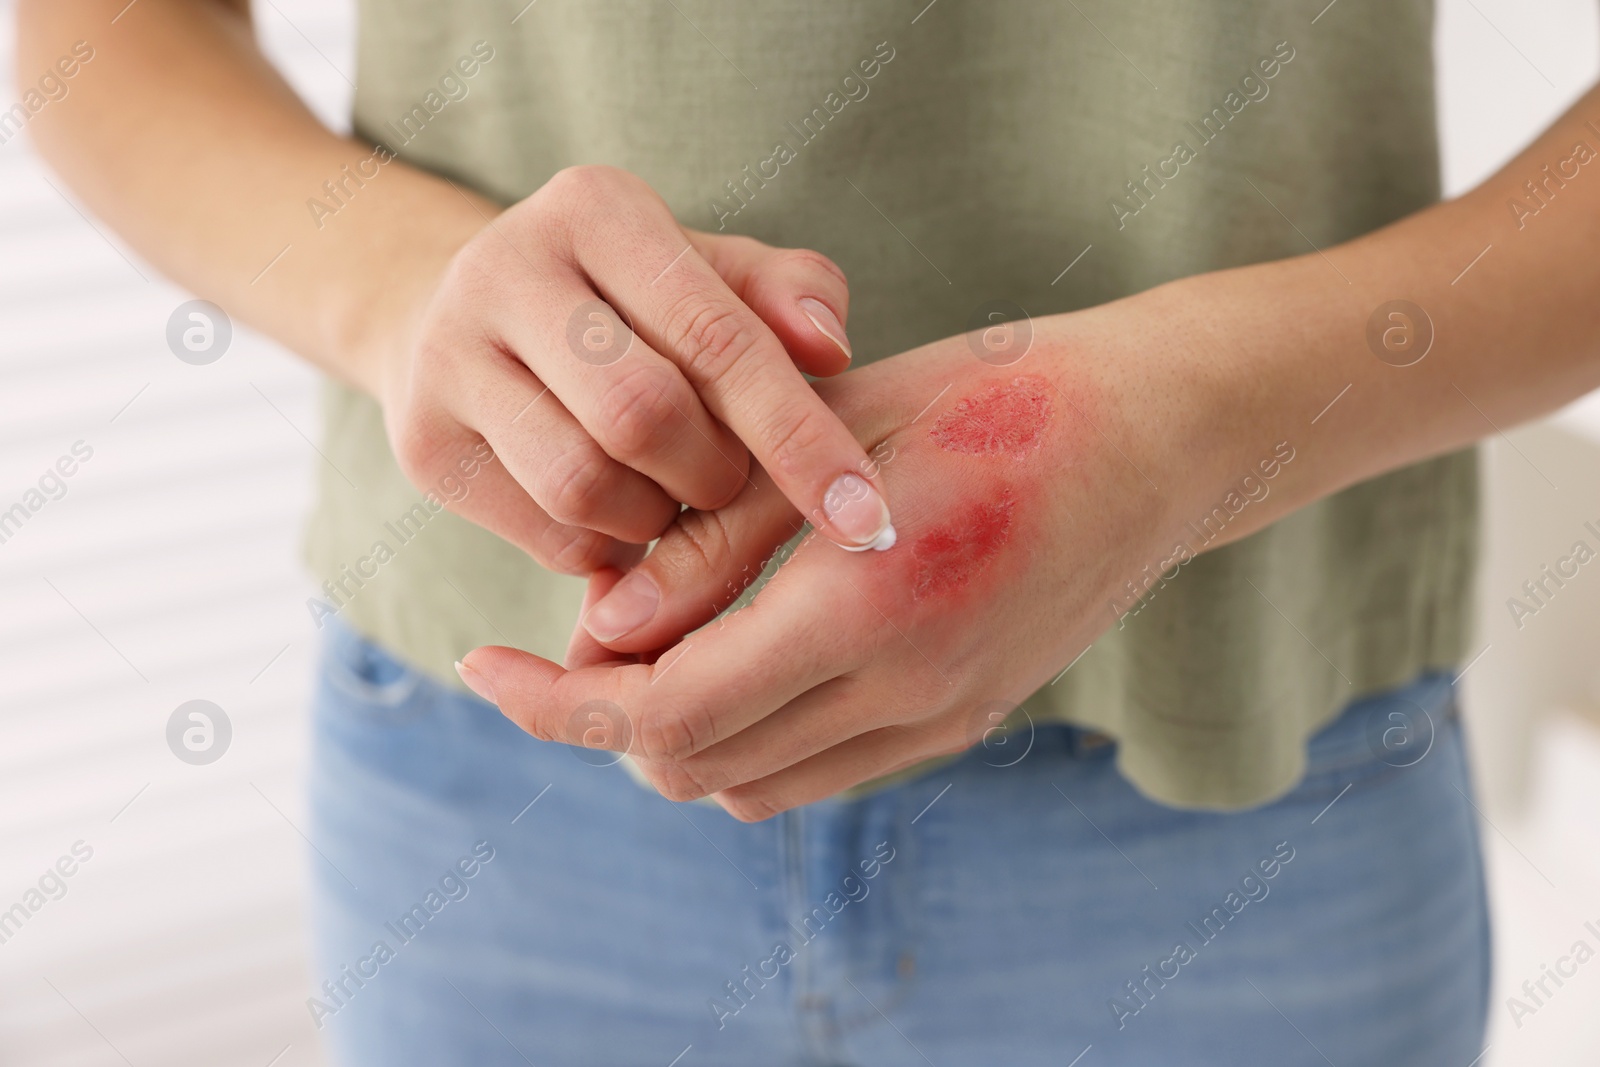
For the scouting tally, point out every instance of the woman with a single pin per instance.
(1105, 716)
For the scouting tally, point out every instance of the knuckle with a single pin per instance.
(664, 738)
(807, 261)
(638, 418)
(576, 551)
(575, 491)
(537, 727)
(466, 272)
(750, 805)
(700, 547)
(671, 736)
(802, 432)
(582, 180)
(678, 782)
(584, 192)
(421, 438)
(713, 338)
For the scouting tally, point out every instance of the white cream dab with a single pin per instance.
(882, 543)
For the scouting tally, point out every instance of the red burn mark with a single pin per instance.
(1004, 419)
(948, 557)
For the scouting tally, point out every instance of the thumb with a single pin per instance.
(583, 650)
(801, 295)
(702, 563)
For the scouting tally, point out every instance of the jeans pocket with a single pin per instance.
(359, 678)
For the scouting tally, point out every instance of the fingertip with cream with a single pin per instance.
(882, 543)
(857, 513)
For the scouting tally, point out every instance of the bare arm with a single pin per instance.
(1513, 334)
(182, 136)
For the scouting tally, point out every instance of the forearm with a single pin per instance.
(182, 136)
(1516, 333)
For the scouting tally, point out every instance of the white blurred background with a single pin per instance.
(169, 572)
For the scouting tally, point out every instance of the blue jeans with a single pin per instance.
(484, 898)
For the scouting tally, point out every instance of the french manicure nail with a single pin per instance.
(476, 682)
(882, 543)
(826, 322)
(631, 603)
(855, 509)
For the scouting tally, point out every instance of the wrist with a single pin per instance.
(1281, 399)
(1141, 375)
(379, 325)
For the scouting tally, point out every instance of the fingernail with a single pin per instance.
(476, 682)
(855, 509)
(631, 603)
(882, 543)
(827, 322)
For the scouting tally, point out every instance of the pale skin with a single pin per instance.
(839, 672)
(836, 674)
(467, 322)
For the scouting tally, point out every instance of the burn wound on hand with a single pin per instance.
(1007, 419)
(947, 558)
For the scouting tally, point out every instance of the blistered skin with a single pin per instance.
(948, 557)
(1006, 419)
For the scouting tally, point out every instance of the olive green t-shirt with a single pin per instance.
(946, 155)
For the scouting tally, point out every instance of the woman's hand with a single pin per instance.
(615, 363)
(1025, 497)
(1012, 560)
(619, 366)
